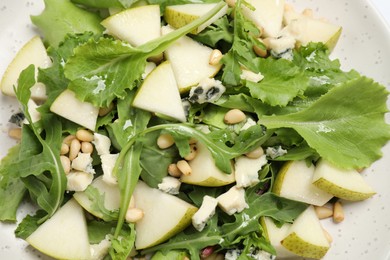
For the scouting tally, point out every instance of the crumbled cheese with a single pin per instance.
(282, 46)
(78, 181)
(83, 162)
(100, 250)
(249, 122)
(246, 170)
(274, 152)
(232, 254)
(102, 143)
(251, 76)
(208, 90)
(232, 201)
(170, 185)
(204, 213)
(108, 163)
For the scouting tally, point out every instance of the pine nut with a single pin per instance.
(323, 212)
(256, 153)
(192, 154)
(165, 141)
(74, 149)
(84, 135)
(65, 163)
(86, 147)
(173, 170)
(288, 7)
(15, 133)
(64, 149)
(234, 116)
(134, 214)
(67, 140)
(231, 3)
(338, 212)
(105, 110)
(327, 235)
(215, 57)
(184, 167)
(261, 52)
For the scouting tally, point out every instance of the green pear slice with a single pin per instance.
(68, 106)
(344, 184)
(190, 61)
(164, 215)
(33, 52)
(305, 30)
(267, 15)
(64, 235)
(204, 171)
(294, 181)
(306, 236)
(159, 93)
(179, 15)
(111, 197)
(136, 25)
(275, 235)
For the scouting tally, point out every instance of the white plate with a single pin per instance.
(364, 46)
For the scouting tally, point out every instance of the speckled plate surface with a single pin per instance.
(364, 46)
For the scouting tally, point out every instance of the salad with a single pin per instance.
(220, 147)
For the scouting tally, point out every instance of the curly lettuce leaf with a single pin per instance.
(353, 126)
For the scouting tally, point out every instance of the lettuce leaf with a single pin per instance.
(349, 132)
(62, 17)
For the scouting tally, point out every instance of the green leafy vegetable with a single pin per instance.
(61, 17)
(101, 71)
(334, 123)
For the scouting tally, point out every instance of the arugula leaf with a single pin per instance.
(127, 169)
(241, 53)
(334, 123)
(268, 204)
(49, 196)
(29, 224)
(102, 3)
(12, 189)
(98, 230)
(62, 17)
(101, 71)
(220, 30)
(97, 200)
(122, 245)
(129, 122)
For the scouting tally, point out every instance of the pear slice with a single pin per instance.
(111, 197)
(164, 215)
(159, 93)
(179, 15)
(275, 234)
(132, 26)
(33, 52)
(204, 171)
(306, 236)
(294, 181)
(68, 106)
(267, 15)
(344, 184)
(190, 61)
(306, 29)
(64, 235)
